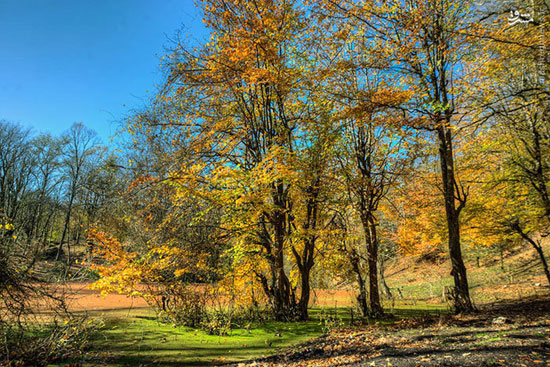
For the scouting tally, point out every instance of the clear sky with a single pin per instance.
(90, 61)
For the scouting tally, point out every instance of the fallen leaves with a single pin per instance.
(461, 340)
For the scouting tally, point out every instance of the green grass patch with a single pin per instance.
(142, 340)
(137, 338)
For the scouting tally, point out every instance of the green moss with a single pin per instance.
(140, 339)
(137, 338)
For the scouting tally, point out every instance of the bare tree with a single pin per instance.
(81, 145)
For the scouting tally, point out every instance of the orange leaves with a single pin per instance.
(123, 270)
(418, 211)
(119, 274)
(386, 96)
(140, 181)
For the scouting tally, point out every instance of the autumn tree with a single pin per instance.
(248, 145)
(315, 203)
(373, 154)
(427, 43)
(518, 109)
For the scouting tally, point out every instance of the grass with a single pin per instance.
(489, 282)
(136, 338)
(141, 340)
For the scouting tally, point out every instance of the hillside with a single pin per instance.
(519, 275)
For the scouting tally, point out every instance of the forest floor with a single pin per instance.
(507, 334)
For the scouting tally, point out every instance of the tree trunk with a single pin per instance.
(501, 250)
(537, 247)
(282, 292)
(462, 302)
(66, 226)
(544, 262)
(372, 256)
(385, 289)
(362, 296)
(304, 295)
(305, 264)
(306, 261)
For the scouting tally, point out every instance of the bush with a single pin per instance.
(27, 303)
(217, 323)
(198, 307)
(34, 345)
(330, 321)
(180, 304)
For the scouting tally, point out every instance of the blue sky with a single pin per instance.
(65, 61)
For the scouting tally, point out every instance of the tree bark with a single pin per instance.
(305, 264)
(304, 295)
(462, 302)
(385, 289)
(66, 226)
(362, 296)
(543, 262)
(282, 292)
(371, 239)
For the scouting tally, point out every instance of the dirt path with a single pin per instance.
(515, 334)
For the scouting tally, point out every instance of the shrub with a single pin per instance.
(201, 308)
(29, 334)
(330, 321)
(217, 323)
(35, 345)
(180, 304)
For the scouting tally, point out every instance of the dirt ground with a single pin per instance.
(507, 334)
(82, 298)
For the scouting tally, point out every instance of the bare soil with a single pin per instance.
(82, 298)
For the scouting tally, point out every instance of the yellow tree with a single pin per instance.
(374, 143)
(427, 43)
(518, 108)
(373, 153)
(247, 144)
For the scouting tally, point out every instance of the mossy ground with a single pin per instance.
(137, 338)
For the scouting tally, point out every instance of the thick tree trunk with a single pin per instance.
(277, 288)
(305, 264)
(283, 310)
(462, 302)
(362, 296)
(282, 289)
(372, 257)
(304, 295)
(305, 260)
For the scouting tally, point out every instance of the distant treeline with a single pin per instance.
(52, 188)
